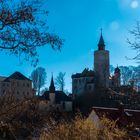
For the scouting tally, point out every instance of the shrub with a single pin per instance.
(83, 129)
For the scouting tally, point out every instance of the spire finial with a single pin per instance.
(101, 44)
(101, 30)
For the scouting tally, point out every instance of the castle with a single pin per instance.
(99, 77)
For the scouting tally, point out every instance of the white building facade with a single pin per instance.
(16, 85)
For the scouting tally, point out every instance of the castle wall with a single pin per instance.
(82, 85)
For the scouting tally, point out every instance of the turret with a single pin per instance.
(117, 75)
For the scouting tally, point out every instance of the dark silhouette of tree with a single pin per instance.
(60, 81)
(38, 77)
(126, 74)
(135, 42)
(23, 29)
(130, 75)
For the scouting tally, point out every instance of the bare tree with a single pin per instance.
(23, 28)
(126, 74)
(60, 81)
(38, 77)
(135, 42)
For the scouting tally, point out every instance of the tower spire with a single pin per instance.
(101, 44)
(52, 87)
(101, 31)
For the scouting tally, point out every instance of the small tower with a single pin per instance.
(101, 64)
(52, 91)
(117, 76)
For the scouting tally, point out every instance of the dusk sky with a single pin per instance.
(79, 23)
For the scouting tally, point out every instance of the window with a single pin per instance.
(24, 84)
(3, 84)
(27, 93)
(28, 85)
(17, 92)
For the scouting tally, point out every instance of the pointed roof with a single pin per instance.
(18, 76)
(117, 69)
(52, 87)
(59, 96)
(101, 44)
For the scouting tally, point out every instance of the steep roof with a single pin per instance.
(117, 70)
(101, 44)
(17, 76)
(86, 73)
(59, 96)
(52, 87)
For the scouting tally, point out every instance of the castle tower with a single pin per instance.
(117, 75)
(101, 64)
(52, 91)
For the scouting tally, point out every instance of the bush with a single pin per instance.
(83, 129)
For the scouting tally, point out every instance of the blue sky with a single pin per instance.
(79, 23)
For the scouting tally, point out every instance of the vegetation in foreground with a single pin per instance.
(84, 129)
(24, 120)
